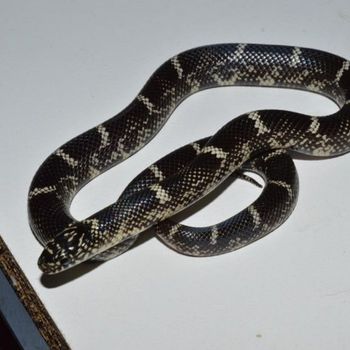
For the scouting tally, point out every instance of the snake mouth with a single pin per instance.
(58, 255)
(49, 265)
(65, 251)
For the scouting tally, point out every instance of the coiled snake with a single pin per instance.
(256, 141)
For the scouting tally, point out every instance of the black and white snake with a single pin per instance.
(255, 141)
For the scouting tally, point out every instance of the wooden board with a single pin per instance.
(25, 292)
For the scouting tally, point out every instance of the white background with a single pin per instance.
(66, 66)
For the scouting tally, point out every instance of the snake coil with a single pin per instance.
(256, 141)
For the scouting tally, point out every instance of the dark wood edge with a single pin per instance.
(30, 300)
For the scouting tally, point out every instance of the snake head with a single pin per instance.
(68, 249)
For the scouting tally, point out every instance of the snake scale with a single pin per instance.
(255, 141)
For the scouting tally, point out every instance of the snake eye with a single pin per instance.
(64, 262)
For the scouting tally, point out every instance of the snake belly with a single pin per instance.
(68, 242)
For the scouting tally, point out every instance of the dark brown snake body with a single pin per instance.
(179, 180)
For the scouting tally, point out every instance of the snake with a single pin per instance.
(259, 141)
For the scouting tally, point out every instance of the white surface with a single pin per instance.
(66, 66)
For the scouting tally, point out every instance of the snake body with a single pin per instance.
(257, 137)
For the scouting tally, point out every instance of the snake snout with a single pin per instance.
(60, 253)
(48, 262)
